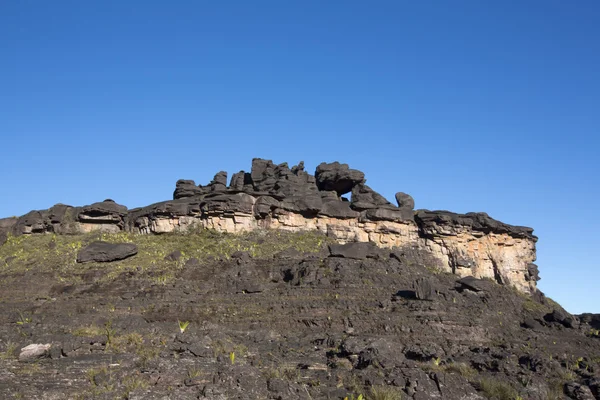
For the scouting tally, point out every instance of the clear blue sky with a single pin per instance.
(466, 105)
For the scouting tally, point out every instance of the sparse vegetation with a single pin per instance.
(494, 388)
(384, 393)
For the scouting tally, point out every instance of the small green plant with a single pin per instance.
(594, 332)
(461, 369)
(183, 325)
(384, 393)
(109, 332)
(360, 397)
(496, 389)
(232, 357)
(23, 320)
(10, 352)
(437, 361)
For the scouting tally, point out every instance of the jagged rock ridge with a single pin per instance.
(274, 196)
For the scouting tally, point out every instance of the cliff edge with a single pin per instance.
(274, 196)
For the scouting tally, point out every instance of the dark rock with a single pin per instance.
(577, 391)
(532, 273)
(474, 284)
(357, 251)
(105, 212)
(219, 182)
(531, 323)
(241, 181)
(424, 290)
(173, 256)
(186, 188)
(405, 201)
(242, 256)
(338, 209)
(364, 198)
(219, 203)
(265, 205)
(106, 252)
(561, 317)
(591, 319)
(192, 262)
(263, 175)
(337, 177)
(429, 221)
(389, 214)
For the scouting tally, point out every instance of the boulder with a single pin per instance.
(219, 182)
(424, 289)
(432, 221)
(186, 188)
(389, 214)
(365, 198)
(337, 177)
(533, 273)
(474, 284)
(357, 251)
(265, 205)
(241, 181)
(106, 252)
(106, 212)
(405, 201)
(338, 209)
(561, 317)
(592, 319)
(35, 350)
(238, 202)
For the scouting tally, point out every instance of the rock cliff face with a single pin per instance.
(278, 197)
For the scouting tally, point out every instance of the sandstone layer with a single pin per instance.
(278, 197)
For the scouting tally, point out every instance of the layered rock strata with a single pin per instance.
(278, 197)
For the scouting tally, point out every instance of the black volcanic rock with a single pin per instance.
(106, 252)
(337, 177)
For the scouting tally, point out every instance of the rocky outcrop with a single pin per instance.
(106, 252)
(275, 196)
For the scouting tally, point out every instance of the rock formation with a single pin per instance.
(278, 197)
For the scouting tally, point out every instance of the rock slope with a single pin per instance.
(274, 315)
(278, 197)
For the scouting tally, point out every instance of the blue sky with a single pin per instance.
(466, 105)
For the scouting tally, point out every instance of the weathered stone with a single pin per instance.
(338, 209)
(405, 201)
(424, 290)
(278, 197)
(106, 252)
(364, 198)
(337, 177)
(34, 350)
(186, 188)
(358, 251)
(472, 283)
(561, 317)
(219, 182)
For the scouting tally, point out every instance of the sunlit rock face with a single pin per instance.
(279, 197)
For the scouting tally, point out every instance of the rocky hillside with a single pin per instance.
(94, 304)
(277, 197)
